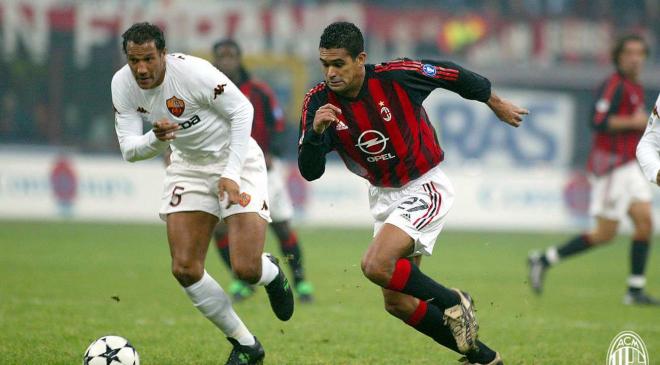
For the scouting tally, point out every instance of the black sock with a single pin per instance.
(222, 243)
(407, 279)
(574, 246)
(570, 248)
(290, 248)
(639, 252)
(427, 319)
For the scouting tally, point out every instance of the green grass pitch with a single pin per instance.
(58, 280)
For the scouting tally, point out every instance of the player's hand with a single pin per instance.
(164, 130)
(640, 119)
(506, 111)
(230, 187)
(325, 115)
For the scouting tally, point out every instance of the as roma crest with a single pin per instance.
(176, 106)
(244, 199)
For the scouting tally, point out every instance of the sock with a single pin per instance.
(427, 319)
(293, 254)
(553, 255)
(407, 279)
(639, 252)
(209, 298)
(222, 243)
(269, 271)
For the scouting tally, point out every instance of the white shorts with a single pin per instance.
(612, 194)
(281, 208)
(418, 208)
(192, 187)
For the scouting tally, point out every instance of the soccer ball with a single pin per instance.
(111, 350)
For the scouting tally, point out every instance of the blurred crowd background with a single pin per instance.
(57, 57)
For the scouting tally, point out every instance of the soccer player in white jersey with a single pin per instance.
(648, 149)
(217, 171)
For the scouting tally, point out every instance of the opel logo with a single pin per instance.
(372, 142)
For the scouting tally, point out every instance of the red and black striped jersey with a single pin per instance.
(384, 134)
(268, 119)
(610, 149)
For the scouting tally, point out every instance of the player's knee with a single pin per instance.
(187, 273)
(248, 272)
(643, 231)
(375, 272)
(397, 308)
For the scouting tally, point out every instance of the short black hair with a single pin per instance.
(227, 42)
(141, 33)
(343, 35)
(621, 44)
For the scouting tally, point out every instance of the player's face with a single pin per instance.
(147, 64)
(632, 58)
(343, 73)
(227, 60)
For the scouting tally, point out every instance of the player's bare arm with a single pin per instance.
(508, 112)
(636, 121)
(164, 130)
(325, 115)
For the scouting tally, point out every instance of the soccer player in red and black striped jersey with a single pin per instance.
(618, 186)
(267, 129)
(372, 115)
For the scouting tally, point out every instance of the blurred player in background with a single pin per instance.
(267, 129)
(618, 186)
(372, 115)
(217, 171)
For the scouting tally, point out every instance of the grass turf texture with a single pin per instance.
(64, 285)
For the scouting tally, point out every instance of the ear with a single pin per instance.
(361, 58)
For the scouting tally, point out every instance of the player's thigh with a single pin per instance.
(188, 234)
(247, 236)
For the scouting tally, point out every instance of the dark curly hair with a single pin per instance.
(343, 35)
(621, 44)
(141, 33)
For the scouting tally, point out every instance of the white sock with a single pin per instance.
(552, 255)
(213, 302)
(269, 271)
(637, 281)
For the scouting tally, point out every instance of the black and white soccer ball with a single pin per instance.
(111, 350)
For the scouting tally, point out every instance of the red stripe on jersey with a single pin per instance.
(418, 314)
(362, 118)
(400, 275)
(608, 93)
(400, 146)
(347, 142)
(308, 97)
(409, 113)
(400, 64)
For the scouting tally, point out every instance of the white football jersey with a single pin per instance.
(214, 116)
(648, 149)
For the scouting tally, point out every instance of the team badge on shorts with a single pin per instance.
(176, 106)
(244, 199)
(429, 70)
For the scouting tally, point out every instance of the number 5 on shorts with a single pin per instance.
(176, 196)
